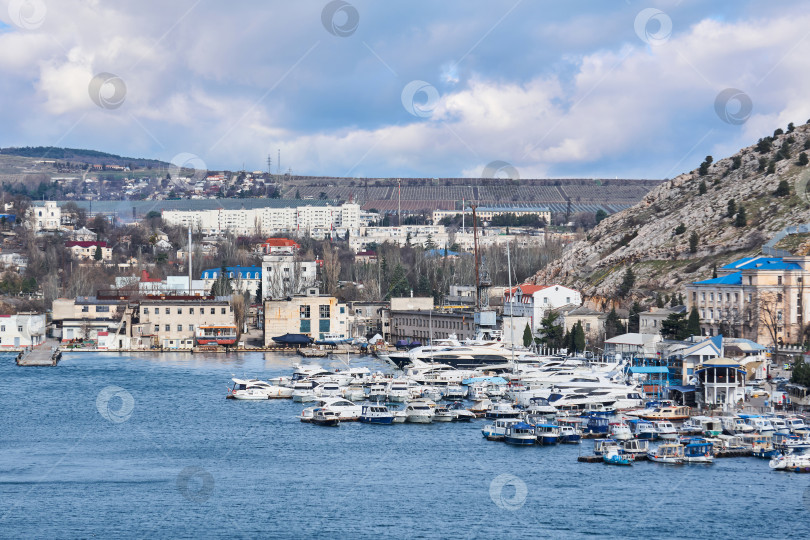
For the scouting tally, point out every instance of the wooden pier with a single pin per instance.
(45, 354)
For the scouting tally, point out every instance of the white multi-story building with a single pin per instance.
(309, 220)
(46, 216)
(243, 278)
(285, 275)
(532, 301)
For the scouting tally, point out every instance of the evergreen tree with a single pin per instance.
(627, 283)
(97, 255)
(783, 190)
(259, 293)
(803, 159)
(674, 327)
(702, 188)
(704, 167)
(771, 167)
(659, 301)
(578, 337)
(527, 336)
(732, 208)
(600, 215)
(693, 242)
(613, 325)
(741, 220)
(399, 283)
(693, 324)
(680, 229)
(552, 331)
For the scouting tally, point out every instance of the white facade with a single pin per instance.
(47, 216)
(301, 220)
(284, 275)
(22, 330)
(532, 301)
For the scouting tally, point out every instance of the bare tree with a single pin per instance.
(770, 315)
(331, 269)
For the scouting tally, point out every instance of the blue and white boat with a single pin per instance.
(521, 434)
(698, 451)
(597, 424)
(642, 429)
(502, 409)
(496, 431)
(547, 434)
(603, 446)
(615, 458)
(376, 414)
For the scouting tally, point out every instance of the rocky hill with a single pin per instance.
(653, 237)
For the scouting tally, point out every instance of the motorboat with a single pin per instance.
(399, 391)
(603, 446)
(642, 429)
(502, 409)
(331, 390)
(443, 414)
(703, 425)
(480, 407)
(797, 426)
(376, 414)
(734, 425)
(547, 434)
(378, 392)
(254, 389)
(520, 434)
(419, 411)
(348, 411)
(667, 453)
(619, 431)
(665, 430)
(599, 409)
(432, 393)
(354, 392)
(763, 448)
(698, 451)
(569, 435)
(597, 425)
(634, 447)
(793, 460)
(293, 340)
(497, 430)
(671, 413)
(325, 417)
(460, 413)
(614, 457)
(455, 392)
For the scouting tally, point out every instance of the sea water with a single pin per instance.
(146, 445)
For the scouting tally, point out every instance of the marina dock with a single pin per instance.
(45, 354)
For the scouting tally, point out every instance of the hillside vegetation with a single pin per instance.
(684, 227)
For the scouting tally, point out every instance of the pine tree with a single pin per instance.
(783, 190)
(693, 242)
(527, 336)
(732, 208)
(803, 159)
(659, 301)
(97, 255)
(627, 282)
(579, 337)
(613, 325)
(693, 324)
(633, 321)
(680, 229)
(702, 188)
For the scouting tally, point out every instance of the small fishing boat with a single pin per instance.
(376, 414)
(642, 429)
(698, 451)
(602, 446)
(665, 430)
(734, 425)
(597, 424)
(613, 457)
(547, 434)
(520, 434)
(797, 426)
(496, 430)
(667, 453)
(619, 431)
(325, 417)
(634, 447)
(569, 435)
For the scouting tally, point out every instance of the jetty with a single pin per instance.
(44, 354)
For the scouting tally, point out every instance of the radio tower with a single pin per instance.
(269, 164)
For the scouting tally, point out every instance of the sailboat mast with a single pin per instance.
(475, 250)
(511, 303)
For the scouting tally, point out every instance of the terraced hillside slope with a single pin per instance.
(653, 236)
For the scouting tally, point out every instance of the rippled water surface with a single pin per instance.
(146, 446)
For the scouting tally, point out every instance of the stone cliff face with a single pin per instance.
(644, 236)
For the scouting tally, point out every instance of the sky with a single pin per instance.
(401, 88)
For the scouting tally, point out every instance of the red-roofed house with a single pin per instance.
(86, 250)
(533, 301)
(280, 246)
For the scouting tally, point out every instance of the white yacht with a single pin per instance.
(619, 431)
(347, 411)
(254, 389)
(734, 425)
(399, 390)
(665, 430)
(419, 411)
(304, 391)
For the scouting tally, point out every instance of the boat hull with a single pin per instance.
(519, 441)
(548, 440)
(381, 420)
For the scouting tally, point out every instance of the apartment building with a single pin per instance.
(286, 275)
(45, 215)
(171, 321)
(314, 315)
(22, 330)
(243, 278)
(754, 298)
(533, 301)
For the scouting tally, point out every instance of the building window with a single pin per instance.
(703, 296)
(191, 311)
(223, 311)
(304, 312)
(157, 328)
(179, 311)
(736, 297)
(191, 328)
(85, 309)
(179, 327)
(750, 280)
(19, 329)
(146, 311)
(324, 311)
(778, 297)
(711, 297)
(304, 328)
(779, 315)
(778, 280)
(168, 328)
(213, 311)
(102, 309)
(323, 325)
(168, 311)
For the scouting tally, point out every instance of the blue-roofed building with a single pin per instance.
(243, 278)
(760, 298)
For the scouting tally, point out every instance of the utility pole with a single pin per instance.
(473, 206)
